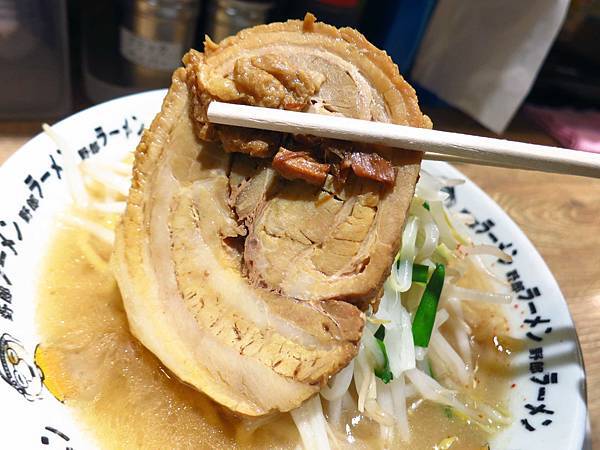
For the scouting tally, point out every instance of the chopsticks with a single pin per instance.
(437, 145)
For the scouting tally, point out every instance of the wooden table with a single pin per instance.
(560, 214)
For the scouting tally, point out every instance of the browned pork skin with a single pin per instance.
(247, 285)
(369, 165)
(300, 166)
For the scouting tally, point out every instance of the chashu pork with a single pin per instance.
(246, 284)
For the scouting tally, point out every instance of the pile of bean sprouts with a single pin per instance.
(432, 236)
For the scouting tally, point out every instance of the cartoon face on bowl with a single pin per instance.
(25, 377)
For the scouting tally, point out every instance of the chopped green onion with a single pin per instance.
(425, 316)
(448, 412)
(426, 206)
(420, 273)
(380, 333)
(431, 374)
(384, 373)
(442, 254)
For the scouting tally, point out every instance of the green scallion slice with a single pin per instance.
(420, 273)
(448, 412)
(425, 316)
(383, 373)
(380, 333)
(431, 374)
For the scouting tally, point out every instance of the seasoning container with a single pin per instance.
(34, 59)
(134, 45)
(227, 17)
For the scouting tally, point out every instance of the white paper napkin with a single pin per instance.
(482, 56)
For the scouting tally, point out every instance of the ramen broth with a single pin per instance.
(127, 399)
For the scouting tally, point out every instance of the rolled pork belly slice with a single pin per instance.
(247, 282)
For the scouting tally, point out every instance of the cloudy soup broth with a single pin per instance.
(125, 398)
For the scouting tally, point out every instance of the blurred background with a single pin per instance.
(525, 70)
(481, 60)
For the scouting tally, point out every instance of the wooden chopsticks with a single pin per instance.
(439, 145)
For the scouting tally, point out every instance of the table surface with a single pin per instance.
(560, 214)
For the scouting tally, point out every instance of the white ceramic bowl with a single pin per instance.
(548, 402)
